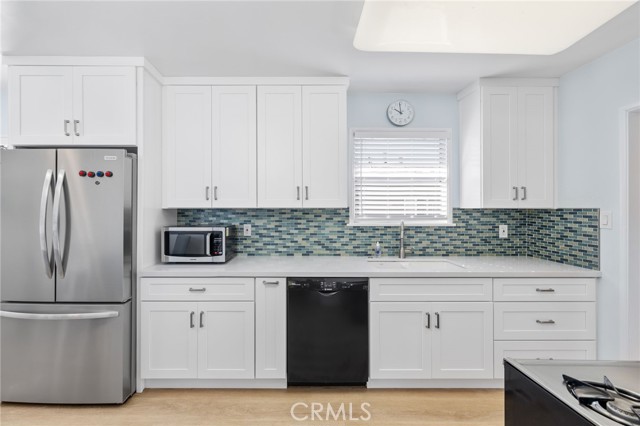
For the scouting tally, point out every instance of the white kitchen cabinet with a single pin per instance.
(507, 143)
(271, 328)
(302, 146)
(423, 340)
(187, 147)
(65, 105)
(191, 340)
(462, 340)
(234, 146)
(399, 340)
(169, 340)
(225, 340)
(104, 105)
(280, 146)
(324, 146)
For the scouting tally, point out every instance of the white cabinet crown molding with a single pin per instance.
(259, 81)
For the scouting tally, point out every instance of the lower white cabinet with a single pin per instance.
(422, 340)
(187, 340)
(271, 328)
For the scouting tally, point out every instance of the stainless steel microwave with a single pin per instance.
(183, 244)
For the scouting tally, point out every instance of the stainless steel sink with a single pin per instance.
(393, 263)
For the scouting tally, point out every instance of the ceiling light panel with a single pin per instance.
(542, 27)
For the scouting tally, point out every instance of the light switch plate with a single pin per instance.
(503, 231)
(247, 230)
(606, 219)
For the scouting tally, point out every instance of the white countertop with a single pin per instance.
(345, 266)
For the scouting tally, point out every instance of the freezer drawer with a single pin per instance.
(66, 354)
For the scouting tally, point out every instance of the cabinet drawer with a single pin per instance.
(544, 289)
(197, 288)
(545, 321)
(430, 289)
(541, 350)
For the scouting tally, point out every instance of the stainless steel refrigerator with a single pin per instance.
(67, 252)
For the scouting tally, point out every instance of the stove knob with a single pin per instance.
(108, 174)
(82, 173)
(91, 174)
(99, 174)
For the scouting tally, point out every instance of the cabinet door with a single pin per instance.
(186, 154)
(536, 146)
(462, 340)
(500, 157)
(40, 105)
(279, 146)
(324, 146)
(271, 327)
(225, 340)
(104, 105)
(169, 340)
(234, 146)
(400, 342)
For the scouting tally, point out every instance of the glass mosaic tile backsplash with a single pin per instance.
(568, 236)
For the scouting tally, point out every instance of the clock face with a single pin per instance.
(400, 113)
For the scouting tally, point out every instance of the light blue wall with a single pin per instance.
(590, 99)
(433, 110)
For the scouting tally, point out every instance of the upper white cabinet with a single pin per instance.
(187, 147)
(280, 146)
(302, 146)
(234, 146)
(65, 105)
(507, 143)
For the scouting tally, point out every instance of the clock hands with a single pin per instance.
(400, 106)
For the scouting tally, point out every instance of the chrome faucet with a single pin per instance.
(401, 255)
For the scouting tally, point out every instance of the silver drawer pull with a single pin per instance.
(545, 321)
(428, 320)
(191, 315)
(203, 289)
(53, 317)
(545, 290)
(270, 282)
(550, 359)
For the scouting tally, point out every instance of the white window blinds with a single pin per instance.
(400, 175)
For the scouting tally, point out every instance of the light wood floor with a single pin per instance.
(273, 407)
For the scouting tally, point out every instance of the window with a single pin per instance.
(400, 175)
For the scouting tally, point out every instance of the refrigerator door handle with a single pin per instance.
(56, 223)
(44, 204)
(58, 317)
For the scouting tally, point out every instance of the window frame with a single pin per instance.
(435, 132)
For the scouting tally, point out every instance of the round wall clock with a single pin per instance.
(400, 113)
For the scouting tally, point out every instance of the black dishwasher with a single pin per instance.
(327, 331)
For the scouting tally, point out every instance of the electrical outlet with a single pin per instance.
(247, 230)
(503, 231)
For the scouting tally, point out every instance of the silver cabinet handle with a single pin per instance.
(545, 290)
(215, 193)
(298, 193)
(515, 195)
(428, 320)
(206, 192)
(66, 128)
(270, 282)
(195, 290)
(306, 192)
(550, 359)
(546, 321)
(201, 319)
(57, 196)
(44, 204)
(59, 317)
(191, 324)
(524, 193)
(75, 127)
(437, 320)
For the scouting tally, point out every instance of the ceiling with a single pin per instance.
(271, 38)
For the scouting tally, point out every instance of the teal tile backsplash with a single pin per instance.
(567, 236)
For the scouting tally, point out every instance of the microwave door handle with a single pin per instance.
(56, 223)
(207, 244)
(44, 204)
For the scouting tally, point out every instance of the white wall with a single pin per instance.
(590, 99)
(369, 109)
